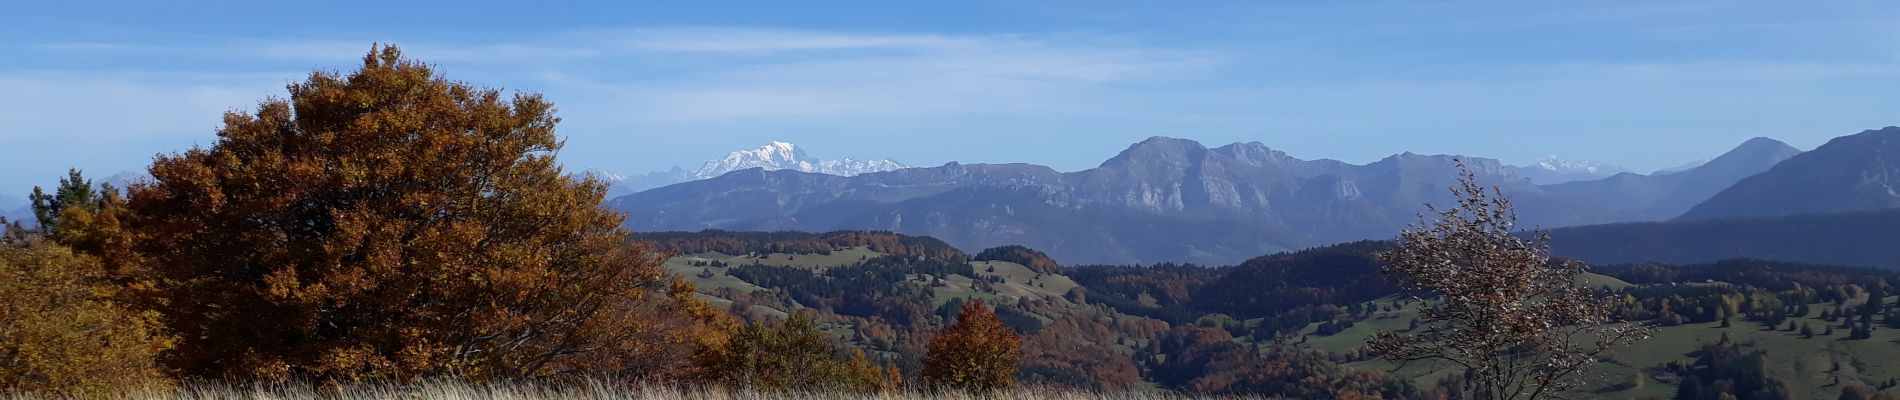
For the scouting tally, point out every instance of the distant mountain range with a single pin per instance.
(1168, 199)
(772, 157)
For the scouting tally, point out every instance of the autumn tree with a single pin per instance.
(1514, 320)
(977, 354)
(1078, 351)
(795, 355)
(675, 340)
(61, 332)
(389, 223)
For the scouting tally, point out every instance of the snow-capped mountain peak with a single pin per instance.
(1552, 169)
(772, 156)
(783, 155)
(1555, 164)
(777, 155)
(609, 177)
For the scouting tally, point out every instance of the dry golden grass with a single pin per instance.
(582, 390)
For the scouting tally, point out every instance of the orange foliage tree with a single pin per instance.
(795, 355)
(977, 354)
(389, 223)
(61, 332)
(1082, 350)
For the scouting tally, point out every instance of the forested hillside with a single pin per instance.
(1206, 329)
(886, 304)
(1861, 238)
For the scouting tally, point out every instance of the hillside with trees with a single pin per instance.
(1859, 238)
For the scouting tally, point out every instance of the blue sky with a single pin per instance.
(644, 86)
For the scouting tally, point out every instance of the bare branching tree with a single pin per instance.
(1496, 305)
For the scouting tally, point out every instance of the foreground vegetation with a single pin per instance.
(442, 389)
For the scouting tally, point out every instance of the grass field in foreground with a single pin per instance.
(582, 390)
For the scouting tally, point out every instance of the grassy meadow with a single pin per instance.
(571, 390)
(1814, 367)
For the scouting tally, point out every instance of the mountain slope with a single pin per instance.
(10, 202)
(1861, 238)
(1849, 173)
(1665, 195)
(16, 209)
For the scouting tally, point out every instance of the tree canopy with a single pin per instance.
(977, 354)
(388, 223)
(1514, 320)
(61, 332)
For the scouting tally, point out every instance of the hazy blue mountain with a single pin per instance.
(619, 184)
(16, 208)
(1681, 167)
(122, 179)
(1666, 195)
(1849, 173)
(1163, 199)
(9, 202)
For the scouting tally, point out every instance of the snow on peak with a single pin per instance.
(609, 177)
(1553, 163)
(1552, 169)
(784, 155)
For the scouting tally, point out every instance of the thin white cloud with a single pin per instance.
(865, 75)
(719, 40)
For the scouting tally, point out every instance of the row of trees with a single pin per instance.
(384, 224)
